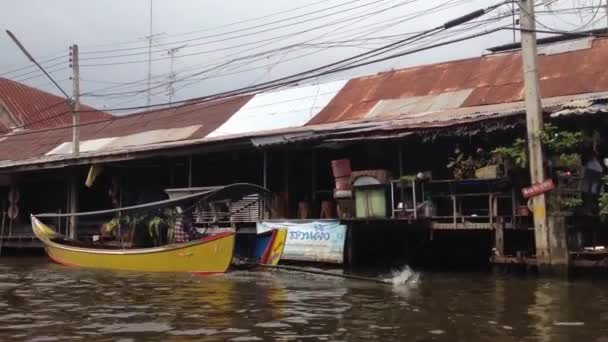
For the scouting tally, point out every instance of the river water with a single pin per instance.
(41, 301)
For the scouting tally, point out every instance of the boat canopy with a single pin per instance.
(232, 192)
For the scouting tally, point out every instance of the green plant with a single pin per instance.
(163, 221)
(517, 153)
(463, 167)
(111, 226)
(561, 141)
(603, 202)
(571, 203)
(570, 161)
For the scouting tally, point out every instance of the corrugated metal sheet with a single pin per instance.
(567, 46)
(85, 146)
(420, 104)
(599, 108)
(36, 109)
(205, 116)
(430, 96)
(291, 107)
(567, 68)
(137, 139)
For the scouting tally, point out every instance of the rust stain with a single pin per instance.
(37, 109)
(495, 79)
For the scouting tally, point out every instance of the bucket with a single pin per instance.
(343, 183)
(341, 168)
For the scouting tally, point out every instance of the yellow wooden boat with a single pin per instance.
(212, 254)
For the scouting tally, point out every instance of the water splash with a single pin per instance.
(403, 276)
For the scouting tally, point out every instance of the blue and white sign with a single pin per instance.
(312, 241)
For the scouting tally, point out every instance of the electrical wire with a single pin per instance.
(217, 27)
(43, 62)
(375, 50)
(239, 53)
(198, 53)
(298, 22)
(289, 80)
(443, 6)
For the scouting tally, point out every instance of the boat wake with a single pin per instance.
(403, 276)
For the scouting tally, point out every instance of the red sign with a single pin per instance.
(538, 188)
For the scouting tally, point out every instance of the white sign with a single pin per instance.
(311, 241)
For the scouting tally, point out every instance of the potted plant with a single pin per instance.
(514, 156)
(462, 167)
(160, 227)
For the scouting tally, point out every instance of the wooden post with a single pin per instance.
(313, 180)
(286, 182)
(190, 171)
(286, 171)
(265, 169)
(400, 158)
(499, 236)
(534, 125)
(73, 194)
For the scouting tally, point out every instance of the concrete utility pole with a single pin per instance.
(73, 195)
(534, 123)
(75, 99)
(150, 37)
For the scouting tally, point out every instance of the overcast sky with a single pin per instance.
(225, 45)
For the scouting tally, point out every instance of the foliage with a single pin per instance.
(561, 141)
(463, 167)
(571, 203)
(137, 224)
(555, 141)
(161, 222)
(570, 161)
(111, 226)
(517, 153)
(603, 201)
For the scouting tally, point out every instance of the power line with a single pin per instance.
(400, 19)
(398, 44)
(33, 60)
(288, 80)
(222, 26)
(43, 62)
(448, 4)
(251, 28)
(218, 100)
(217, 66)
(324, 26)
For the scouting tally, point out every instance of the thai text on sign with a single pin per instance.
(311, 241)
(538, 188)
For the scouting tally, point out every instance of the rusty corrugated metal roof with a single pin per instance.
(490, 79)
(34, 108)
(127, 130)
(430, 96)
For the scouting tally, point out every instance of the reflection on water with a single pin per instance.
(40, 301)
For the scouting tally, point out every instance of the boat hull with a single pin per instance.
(206, 256)
(274, 248)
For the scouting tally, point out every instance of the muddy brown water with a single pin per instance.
(42, 301)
